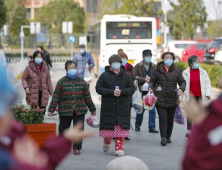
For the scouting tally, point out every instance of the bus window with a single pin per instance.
(129, 30)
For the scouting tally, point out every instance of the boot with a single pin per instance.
(119, 147)
(106, 144)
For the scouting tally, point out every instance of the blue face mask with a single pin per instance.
(82, 51)
(168, 62)
(148, 59)
(115, 66)
(196, 65)
(124, 61)
(38, 60)
(72, 72)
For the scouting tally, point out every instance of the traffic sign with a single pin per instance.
(72, 39)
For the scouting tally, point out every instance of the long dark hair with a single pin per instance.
(36, 53)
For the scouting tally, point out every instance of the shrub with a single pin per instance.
(28, 116)
(214, 71)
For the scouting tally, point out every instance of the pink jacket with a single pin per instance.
(31, 80)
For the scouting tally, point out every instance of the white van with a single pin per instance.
(177, 47)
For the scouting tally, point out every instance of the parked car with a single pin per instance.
(218, 56)
(211, 49)
(194, 49)
(177, 47)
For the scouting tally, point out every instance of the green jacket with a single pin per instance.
(72, 95)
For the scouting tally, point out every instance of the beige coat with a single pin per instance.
(205, 84)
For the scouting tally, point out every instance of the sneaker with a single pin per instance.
(163, 142)
(106, 147)
(169, 140)
(76, 152)
(119, 153)
(153, 131)
(127, 138)
(137, 129)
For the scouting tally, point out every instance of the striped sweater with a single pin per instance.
(72, 95)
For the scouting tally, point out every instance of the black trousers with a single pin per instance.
(40, 99)
(166, 118)
(189, 123)
(65, 122)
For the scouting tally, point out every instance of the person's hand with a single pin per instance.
(195, 110)
(27, 90)
(136, 84)
(93, 113)
(117, 93)
(76, 134)
(147, 79)
(26, 151)
(50, 114)
(208, 97)
(150, 90)
(179, 92)
(28, 54)
(87, 67)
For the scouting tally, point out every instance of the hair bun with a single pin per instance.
(120, 50)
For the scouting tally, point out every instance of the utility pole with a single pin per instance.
(22, 39)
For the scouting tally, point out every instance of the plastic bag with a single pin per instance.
(147, 107)
(51, 73)
(88, 77)
(92, 121)
(145, 86)
(137, 101)
(178, 118)
(150, 100)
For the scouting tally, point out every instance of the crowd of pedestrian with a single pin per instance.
(116, 86)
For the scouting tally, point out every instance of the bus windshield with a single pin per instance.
(129, 30)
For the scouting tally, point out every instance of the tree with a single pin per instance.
(132, 7)
(212, 29)
(3, 16)
(15, 16)
(189, 15)
(217, 6)
(55, 12)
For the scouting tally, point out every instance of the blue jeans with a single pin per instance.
(152, 117)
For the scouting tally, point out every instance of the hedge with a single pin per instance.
(214, 71)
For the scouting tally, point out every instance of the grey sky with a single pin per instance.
(209, 7)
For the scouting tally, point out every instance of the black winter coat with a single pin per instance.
(167, 97)
(47, 59)
(115, 110)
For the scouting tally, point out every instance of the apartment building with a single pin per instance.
(91, 6)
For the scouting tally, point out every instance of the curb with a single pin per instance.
(19, 77)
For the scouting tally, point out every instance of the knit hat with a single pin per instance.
(122, 54)
(147, 52)
(7, 91)
(114, 58)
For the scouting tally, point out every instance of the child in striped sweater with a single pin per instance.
(73, 99)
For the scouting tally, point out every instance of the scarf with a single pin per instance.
(126, 65)
(38, 68)
(72, 77)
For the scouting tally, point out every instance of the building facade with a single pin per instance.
(92, 7)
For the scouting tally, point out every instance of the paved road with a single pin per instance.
(143, 145)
